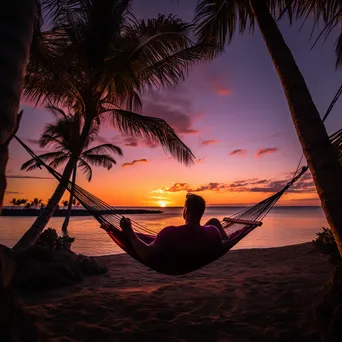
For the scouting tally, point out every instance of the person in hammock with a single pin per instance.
(176, 243)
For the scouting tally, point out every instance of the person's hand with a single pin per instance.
(126, 225)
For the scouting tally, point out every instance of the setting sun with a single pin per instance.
(162, 204)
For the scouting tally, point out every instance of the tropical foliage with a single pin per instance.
(218, 21)
(61, 136)
(96, 60)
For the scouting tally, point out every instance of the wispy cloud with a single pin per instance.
(32, 141)
(13, 192)
(27, 177)
(133, 142)
(174, 108)
(238, 152)
(267, 150)
(134, 162)
(200, 160)
(304, 185)
(208, 142)
(219, 85)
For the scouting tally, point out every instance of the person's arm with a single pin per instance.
(145, 251)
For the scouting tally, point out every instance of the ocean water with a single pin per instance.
(282, 226)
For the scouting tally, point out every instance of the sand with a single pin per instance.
(249, 295)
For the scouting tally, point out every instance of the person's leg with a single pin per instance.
(215, 222)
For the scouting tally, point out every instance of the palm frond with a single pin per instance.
(143, 46)
(59, 161)
(85, 168)
(56, 111)
(55, 10)
(32, 164)
(104, 148)
(327, 11)
(103, 160)
(217, 21)
(153, 129)
(336, 140)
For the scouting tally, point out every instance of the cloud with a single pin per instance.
(33, 141)
(219, 85)
(178, 187)
(223, 91)
(238, 152)
(304, 185)
(27, 177)
(267, 150)
(208, 142)
(133, 142)
(13, 193)
(134, 162)
(176, 118)
(101, 139)
(200, 160)
(174, 108)
(309, 199)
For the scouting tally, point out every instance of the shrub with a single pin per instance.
(326, 244)
(49, 239)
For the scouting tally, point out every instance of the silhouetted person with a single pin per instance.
(191, 240)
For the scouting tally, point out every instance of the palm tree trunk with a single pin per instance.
(67, 217)
(318, 150)
(32, 235)
(17, 19)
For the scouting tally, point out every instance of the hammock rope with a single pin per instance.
(237, 226)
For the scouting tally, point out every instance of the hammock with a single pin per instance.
(237, 226)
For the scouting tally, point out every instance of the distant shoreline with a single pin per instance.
(75, 212)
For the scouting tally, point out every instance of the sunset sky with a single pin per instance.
(232, 113)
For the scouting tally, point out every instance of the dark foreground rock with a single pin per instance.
(40, 269)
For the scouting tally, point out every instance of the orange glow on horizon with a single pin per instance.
(162, 204)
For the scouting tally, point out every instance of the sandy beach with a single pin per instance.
(249, 295)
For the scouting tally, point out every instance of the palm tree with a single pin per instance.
(28, 205)
(36, 202)
(17, 20)
(97, 60)
(22, 201)
(217, 21)
(62, 136)
(65, 203)
(14, 202)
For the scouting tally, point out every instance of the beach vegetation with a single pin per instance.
(61, 136)
(95, 59)
(219, 21)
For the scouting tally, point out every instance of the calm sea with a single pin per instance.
(283, 226)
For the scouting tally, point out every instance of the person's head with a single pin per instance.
(194, 207)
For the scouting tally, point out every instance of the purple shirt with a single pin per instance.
(189, 242)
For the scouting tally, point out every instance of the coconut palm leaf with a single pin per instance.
(85, 168)
(104, 148)
(57, 112)
(219, 20)
(147, 44)
(336, 140)
(47, 139)
(32, 164)
(103, 160)
(153, 129)
(328, 11)
(59, 161)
